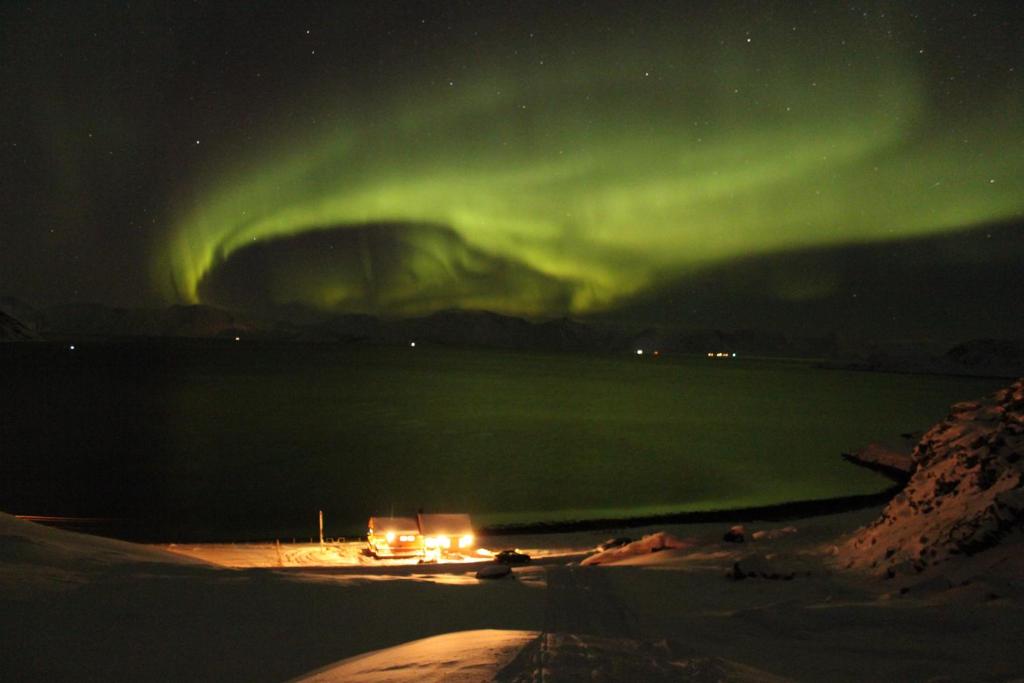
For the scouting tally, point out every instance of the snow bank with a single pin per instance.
(462, 657)
(35, 557)
(522, 656)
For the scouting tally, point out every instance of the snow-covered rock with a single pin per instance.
(651, 543)
(966, 493)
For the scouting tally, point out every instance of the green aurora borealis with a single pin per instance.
(580, 158)
(609, 168)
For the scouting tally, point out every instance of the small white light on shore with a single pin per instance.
(412, 345)
(734, 354)
(639, 352)
(238, 339)
(71, 348)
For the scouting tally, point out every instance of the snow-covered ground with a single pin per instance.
(461, 657)
(344, 554)
(82, 608)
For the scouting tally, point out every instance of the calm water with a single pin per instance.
(225, 440)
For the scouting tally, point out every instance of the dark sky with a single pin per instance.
(689, 163)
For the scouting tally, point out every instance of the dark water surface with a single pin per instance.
(223, 440)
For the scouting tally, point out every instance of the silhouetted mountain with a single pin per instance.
(989, 354)
(981, 357)
(21, 311)
(12, 329)
(999, 358)
(97, 320)
(465, 328)
(203, 321)
(944, 287)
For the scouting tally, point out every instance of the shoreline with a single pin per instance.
(775, 512)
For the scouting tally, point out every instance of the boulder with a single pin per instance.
(493, 571)
(735, 534)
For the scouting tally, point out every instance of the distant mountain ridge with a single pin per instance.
(12, 329)
(1002, 358)
(100, 321)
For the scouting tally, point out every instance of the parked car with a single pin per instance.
(614, 543)
(511, 557)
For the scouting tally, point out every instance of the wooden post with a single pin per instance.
(321, 527)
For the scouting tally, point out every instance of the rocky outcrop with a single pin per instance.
(966, 493)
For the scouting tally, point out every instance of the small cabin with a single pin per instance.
(446, 533)
(394, 537)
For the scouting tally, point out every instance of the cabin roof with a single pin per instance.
(393, 524)
(448, 524)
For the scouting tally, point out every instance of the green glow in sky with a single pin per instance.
(609, 168)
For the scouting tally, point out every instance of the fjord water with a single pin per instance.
(225, 440)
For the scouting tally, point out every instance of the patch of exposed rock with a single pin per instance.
(965, 495)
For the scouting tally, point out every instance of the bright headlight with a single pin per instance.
(466, 541)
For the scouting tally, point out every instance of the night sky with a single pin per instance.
(618, 159)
